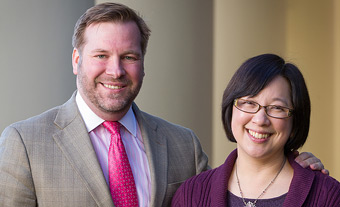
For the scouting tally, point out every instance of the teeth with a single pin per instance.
(258, 135)
(111, 86)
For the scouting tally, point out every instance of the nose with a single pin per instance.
(115, 68)
(261, 118)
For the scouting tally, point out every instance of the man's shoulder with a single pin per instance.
(46, 118)
(43, 118)
(41, 121)
(162, 123)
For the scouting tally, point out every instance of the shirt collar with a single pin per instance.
(92, 121)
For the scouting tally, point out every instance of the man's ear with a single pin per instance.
(75, 61)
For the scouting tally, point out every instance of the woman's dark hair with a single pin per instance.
(253, 76)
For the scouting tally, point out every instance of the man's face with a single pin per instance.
(109, 68)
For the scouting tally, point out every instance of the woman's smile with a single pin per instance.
(258, 134)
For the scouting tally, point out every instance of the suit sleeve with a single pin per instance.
(16, 183)
(200, 157)
(179, 198)
(185, 195)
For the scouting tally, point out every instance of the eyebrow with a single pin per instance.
(124, 53)
(274, 99)
(99, 50)
(132, 52)
(281, 100)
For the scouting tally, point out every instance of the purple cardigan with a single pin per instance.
(308, 188)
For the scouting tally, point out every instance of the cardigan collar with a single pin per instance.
(298, 190)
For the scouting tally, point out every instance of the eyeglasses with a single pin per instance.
(252, 107)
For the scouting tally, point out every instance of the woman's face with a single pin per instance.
(259, 135)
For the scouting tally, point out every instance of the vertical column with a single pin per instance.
(336, 92)
(310, 44)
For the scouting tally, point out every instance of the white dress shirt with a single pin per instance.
(132, 140)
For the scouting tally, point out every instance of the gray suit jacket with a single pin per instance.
(49, 160)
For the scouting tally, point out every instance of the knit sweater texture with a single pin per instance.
(308, 188)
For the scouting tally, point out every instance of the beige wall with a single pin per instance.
(304, 32)
(336, 93)
(242, 29)
(311, 27)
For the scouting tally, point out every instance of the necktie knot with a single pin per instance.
(112, 126)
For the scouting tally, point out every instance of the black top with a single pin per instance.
(235, 201)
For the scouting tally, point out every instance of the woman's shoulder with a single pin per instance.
(196, 190)
(325, 190)
(201, 181)
(318, 180)
(316, 187)
(208, 188)
(327, 183)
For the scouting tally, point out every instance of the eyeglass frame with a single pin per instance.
(289, 114)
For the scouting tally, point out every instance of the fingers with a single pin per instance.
(303, 156)
(316, 166)
(325, 171)
(305, 159)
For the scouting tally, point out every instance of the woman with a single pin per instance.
(266, 111)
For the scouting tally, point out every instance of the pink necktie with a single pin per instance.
(122, 184)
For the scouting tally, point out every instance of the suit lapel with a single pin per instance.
(75, 143)
(156, 151)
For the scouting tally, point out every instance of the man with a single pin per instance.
(65, 157)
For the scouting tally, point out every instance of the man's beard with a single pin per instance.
(113, 103)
